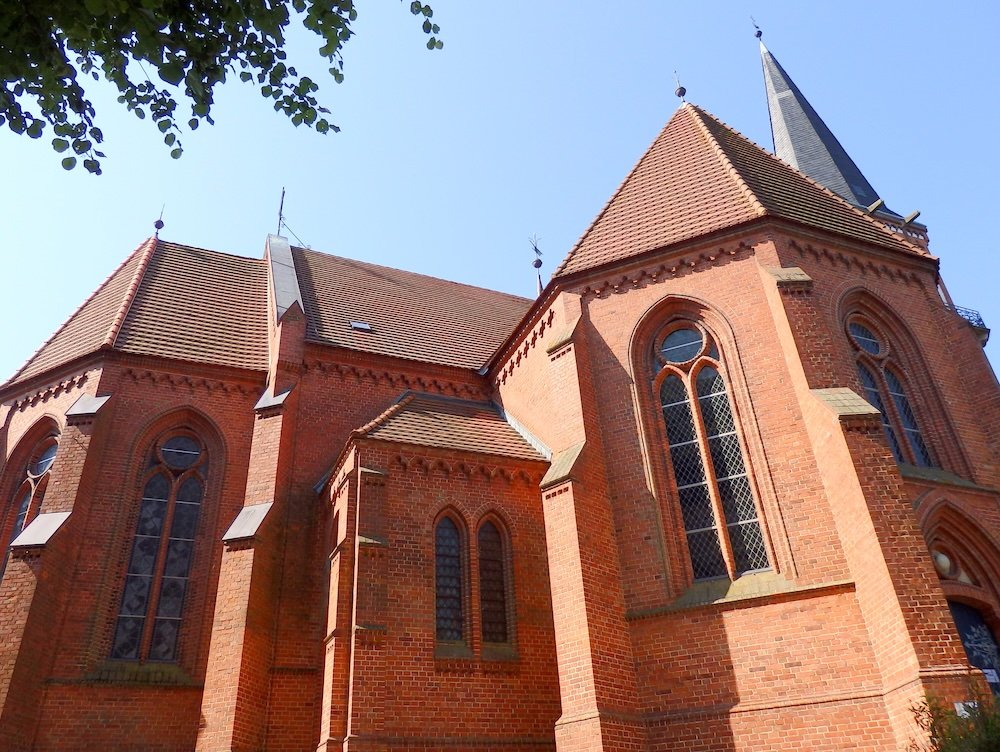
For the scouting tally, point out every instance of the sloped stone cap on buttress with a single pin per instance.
(172, 301)
(700, 176)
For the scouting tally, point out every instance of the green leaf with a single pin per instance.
(416, 7)
(163, 125)
(193, 124)
(34, 130)
(169, 139)
(81, 146)
(244, 76)
(94, 7)
(176, 153)
(60, 144)
(431, 43)
(92, 165)
(439, 44)
(69, 163)
(172, 72)
(427, 26)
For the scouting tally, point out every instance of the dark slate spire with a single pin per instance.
(802, 139)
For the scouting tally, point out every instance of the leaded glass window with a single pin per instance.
(717, 504)
(883, 387)
(448, 581)
(159, 564)
(30, 492)
(492, 584)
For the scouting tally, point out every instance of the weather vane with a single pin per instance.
(537, 263)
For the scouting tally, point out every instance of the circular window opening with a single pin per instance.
(43, 460)
(682, 345)
(865, 338)
(180, 452)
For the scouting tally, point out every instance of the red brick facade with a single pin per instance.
(312, 596)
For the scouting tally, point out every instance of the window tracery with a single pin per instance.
(156, 579)
(718, 508)
(30, 490)
(882, 382)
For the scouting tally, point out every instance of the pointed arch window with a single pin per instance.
(882, 382)
(156, 579)
(449, 582)
(30, 491)
(721, 520)
(492, 584)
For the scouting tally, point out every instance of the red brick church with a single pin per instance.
(729, 483)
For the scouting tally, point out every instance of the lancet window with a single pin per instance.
(452, 584)
(492, 584)
(156, 580)
(449, 581)
(717, 503)
(30, 491)
(883, 385)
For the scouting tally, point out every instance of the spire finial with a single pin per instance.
(158, 224)
(680, 91)
(757, 33)
(537, 263)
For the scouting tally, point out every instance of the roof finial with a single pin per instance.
(158, 224)
(537, 263)
(757, 33)
(680, 91)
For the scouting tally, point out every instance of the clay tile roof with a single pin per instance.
(448, 423)
(411, 315)
(201, 306)
(168, 300)
(91, 326)
(700, 176)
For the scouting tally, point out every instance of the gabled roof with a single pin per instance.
(448, 423)
(804, 141)
(701, 176)
(411, 315)
(169, 300)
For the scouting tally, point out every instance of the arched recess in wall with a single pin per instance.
(735, 499)
(902, 362)
(967, 561)
(25, 479)
(166, 542)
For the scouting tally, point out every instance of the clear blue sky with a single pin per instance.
(524, 124)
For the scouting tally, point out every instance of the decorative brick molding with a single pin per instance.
(52, 390)
(469, 469)
(865, 265)
(670, 269)
(402, 380)
(531, 339)
(190, 382)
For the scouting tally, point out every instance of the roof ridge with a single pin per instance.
(401, 401)
(73, 315)
(867, 217)
(129, 298)
(727, 163)
(407, 271)
(607, 204)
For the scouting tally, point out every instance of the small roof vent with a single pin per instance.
(361, 326)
